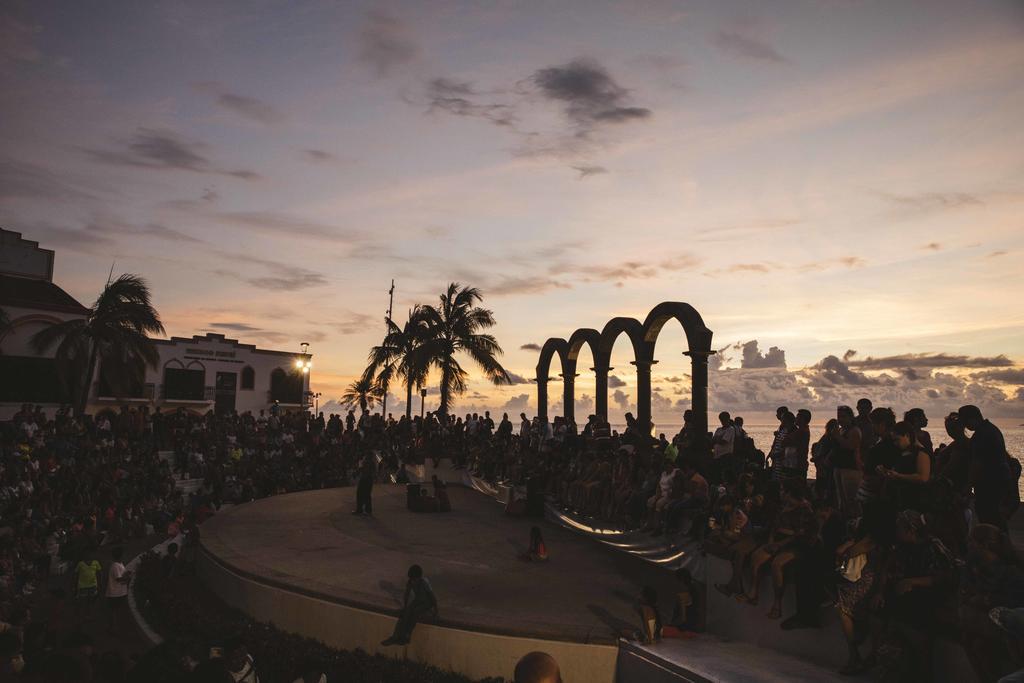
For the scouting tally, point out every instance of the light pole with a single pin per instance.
(423, 399)
(316, 399)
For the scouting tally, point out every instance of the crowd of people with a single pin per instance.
(908, 539)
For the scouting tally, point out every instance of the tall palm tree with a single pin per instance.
(455, 326)
(114, 332)
(399, 357)
(363, 392)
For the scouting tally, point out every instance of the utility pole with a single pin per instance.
(387, 330)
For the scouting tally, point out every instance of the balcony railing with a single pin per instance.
(208, 395)
(147, 393)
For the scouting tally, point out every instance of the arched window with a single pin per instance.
(248, 378)
(184, 384)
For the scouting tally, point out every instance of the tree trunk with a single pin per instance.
(445, 388)
(408, 399)
(83, 394)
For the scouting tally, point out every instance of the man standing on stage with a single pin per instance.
(364, 489)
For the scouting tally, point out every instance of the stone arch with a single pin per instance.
(583, 336)
(553, 346)
(698, 341)
(643, 338)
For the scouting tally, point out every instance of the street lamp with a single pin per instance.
(423, 398)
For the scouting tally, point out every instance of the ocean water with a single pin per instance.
(763, 435)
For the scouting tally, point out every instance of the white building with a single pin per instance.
(200, 373)
(210, 372)
(30, 301)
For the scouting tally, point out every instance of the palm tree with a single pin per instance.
(114, 332)
(398, 356)
(454, 326)
(363, 392)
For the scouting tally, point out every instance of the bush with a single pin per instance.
(193, 619)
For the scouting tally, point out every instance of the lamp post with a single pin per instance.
(316, 398)
(423, 398)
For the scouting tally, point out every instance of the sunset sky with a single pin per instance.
(842, 180)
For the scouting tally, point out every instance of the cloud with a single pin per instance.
(517, 379)
(743, 39)
(673, 379)
(530, 347)
(614, 382)
(163, 150)
(621, 399)
(281, 277)
(18, 40)
(506, 286)
(282, 224)
(832, 371)
(1007, 376)
(354, 323)
(386, 43)
(926, 202)
(25, 180)
(454, 97)
(247, 107)
(517, 404)
(931, 360)
(997, 253)
(587, 171)
(235, 327)
(317, 155)
(753, 358)
(590, 95)
(932, 246)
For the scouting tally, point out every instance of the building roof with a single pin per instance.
(26, 292)
(221, 339)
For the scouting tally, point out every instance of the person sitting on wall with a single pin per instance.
(419, 602)
(444, 504)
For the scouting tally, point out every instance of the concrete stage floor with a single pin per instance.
(310, 543)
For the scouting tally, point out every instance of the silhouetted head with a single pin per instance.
(882, 421)
(916, 417)
(537, 667)
(845, 415)
(724, 418)
(864, 406)
(970, 416)
(954, 426)
(803, 416)
(780, 411)
(415, 572)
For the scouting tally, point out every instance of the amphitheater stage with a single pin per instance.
(303, 562)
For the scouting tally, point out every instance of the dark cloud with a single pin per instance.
(932, 246)
(741, 40)
(247, 107)
(386, 43)
(354, 323)
(235, 327)
(753, 358)
(317, 155)
(457, 98)
(517, 379)
(530, 347)
(280, 276)
(1007, 376)
(250, 108)
(832, 371)
(997, 253)
(24, 180)
(621, 399)
(930, 360)
(614, 382)
(163, 150)
(285, 224)
(913, 375)
(590, 95)
(674, 379)
(587, 171)
(932, 201)
(849, 354)
(508, 286)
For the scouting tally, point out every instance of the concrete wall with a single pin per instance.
(477, 655)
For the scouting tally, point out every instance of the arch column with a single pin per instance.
(643, 394)
(601, 391)
(542, 394)
(569, 395)
(699, 388)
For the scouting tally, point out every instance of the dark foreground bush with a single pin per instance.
(192, 619)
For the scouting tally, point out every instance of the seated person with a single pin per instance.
(684, 616)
